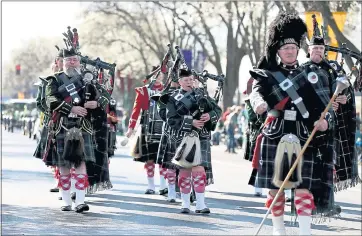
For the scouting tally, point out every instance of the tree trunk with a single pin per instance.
(232, 78)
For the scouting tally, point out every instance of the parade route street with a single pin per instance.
(29, 208)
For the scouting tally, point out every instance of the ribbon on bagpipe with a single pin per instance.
(71, 41)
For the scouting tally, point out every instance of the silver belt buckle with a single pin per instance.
(290, 115)
(70, 87)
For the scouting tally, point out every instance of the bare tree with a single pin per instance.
(139, 32)
(35, 58)
(245, 34)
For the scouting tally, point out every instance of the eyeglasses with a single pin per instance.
(289, 48)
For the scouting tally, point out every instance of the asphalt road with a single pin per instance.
(29, 208)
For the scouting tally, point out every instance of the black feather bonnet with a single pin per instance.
(286, 28)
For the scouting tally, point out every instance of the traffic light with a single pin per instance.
(17, 68)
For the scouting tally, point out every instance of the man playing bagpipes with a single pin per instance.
(343, 154)
(295, 98)
(254, 127)
(42, 107)
(71, 101)
(149, 134)
(189, 139)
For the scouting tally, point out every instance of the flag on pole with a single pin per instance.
(188, 57)
(200, 61)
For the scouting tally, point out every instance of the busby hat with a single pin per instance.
(185, 73)
(286, 28)
(69, 52)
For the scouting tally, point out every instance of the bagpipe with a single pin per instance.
(204, 102)
(356, 68)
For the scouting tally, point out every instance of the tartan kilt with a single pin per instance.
(346, 160)
(149, 150)
(163, 144)
(89, 155)
(312, 167)
(171, 143)
(40, 149)
(98, 171)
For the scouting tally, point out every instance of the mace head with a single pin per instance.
(342, 83)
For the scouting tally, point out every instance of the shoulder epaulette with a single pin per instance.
(258, 74)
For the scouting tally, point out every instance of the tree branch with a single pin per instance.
(198, 39)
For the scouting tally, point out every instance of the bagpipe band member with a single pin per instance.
(71, 102)
(162, 158)
(343, 151)
(43, 109)
(149, 134)
(189, 139)
(296, 97)
(255, 122)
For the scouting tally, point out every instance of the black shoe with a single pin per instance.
(337, 209)
(171, 200)
(73, 196)
(192, 198)
(164, 191)
(185, 210)
(54, 190)
(66, 208)
(150, 191)
(60, 198)
(81, 207)
(258, 195)
(203, 211)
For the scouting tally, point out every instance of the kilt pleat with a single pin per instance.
(163, 144)
(149, 150)
(40, 149)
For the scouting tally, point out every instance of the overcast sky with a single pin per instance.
(24, 20)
